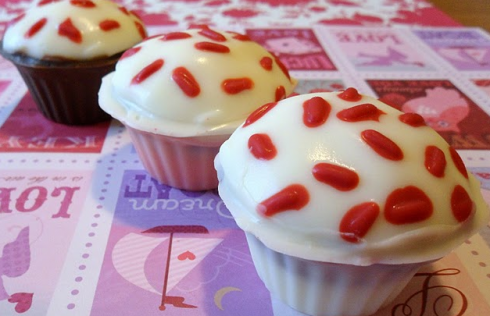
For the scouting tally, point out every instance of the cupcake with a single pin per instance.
(181, 94)
(343, 198)
(62, 49)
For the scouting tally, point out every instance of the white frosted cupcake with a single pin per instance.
(63, 48)
(182, 94)
(343, 198)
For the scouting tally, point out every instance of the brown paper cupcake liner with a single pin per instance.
(65, 91)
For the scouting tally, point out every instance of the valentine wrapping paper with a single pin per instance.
(84, 230)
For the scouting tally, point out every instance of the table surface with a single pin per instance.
(76, 205)
(468, 13)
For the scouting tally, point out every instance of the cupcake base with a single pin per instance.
(183, 163)
(65, 91)
(329, 289)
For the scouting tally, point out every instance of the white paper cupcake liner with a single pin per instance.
(329, 289)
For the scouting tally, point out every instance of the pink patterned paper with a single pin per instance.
(273, 13)
(39, 211)
(110, 240)
(465, 49)
(316, 85)
(26, 130)
(483, 84)
(374, 49)
(445, 108)
(298, 49)
(3, 85)
(176, 252)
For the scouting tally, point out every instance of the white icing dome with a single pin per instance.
(195, 82)
(73, 29)
(341, 177)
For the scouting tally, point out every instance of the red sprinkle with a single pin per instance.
(315, 111)
(280, 93)
(261, 146)
(108, 25)
(43, 2)
(350, 94)
(124, 10)
(83, 3)
(175, 36)
(339, 177)
(381, 144)
(212, 47)
(141, 29)
(135, 14)
(293, 197)
(241, 37)
(69, 30)
(361, 112)
(412, 119)
(357, 221)
(461, 204)
(266, 63)
(36, 27)
(407, 205)
(435, 161)
(130, 52)
(186, 82)
(458, 162)
(212, 35)
(258, 113)
(237, 85)
(198, 26)
(147, 71)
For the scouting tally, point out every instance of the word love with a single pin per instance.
(34, 198)
(367, 37)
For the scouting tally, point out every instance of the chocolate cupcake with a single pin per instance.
(62, 49)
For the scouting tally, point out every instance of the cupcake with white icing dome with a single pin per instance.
(343, 198)
(181, 94)
(63, 48)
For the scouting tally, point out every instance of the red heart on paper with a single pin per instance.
(23, 301)
(484, 175)
(186, 255)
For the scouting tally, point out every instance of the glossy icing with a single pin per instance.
(342, 177)
(73, 29)
(195, 82)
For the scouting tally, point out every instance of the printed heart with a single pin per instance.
(186, 256)
(484, 175)
(23, 301)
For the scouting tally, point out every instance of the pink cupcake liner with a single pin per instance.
(329, 289)
(182, 163)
